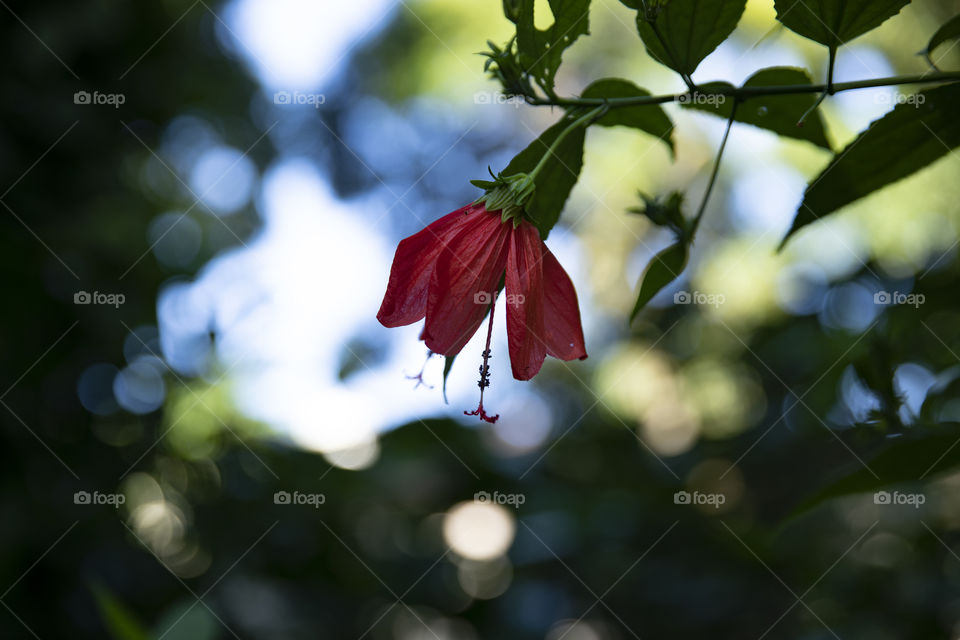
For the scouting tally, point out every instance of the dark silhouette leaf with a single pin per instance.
(665, 267)
(649, 118)
(908, 138)
(780, 114)
(685, 32)
(835, 22)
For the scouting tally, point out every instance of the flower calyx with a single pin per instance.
(506, 194)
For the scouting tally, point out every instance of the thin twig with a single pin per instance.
(713, 176)
(744, 93)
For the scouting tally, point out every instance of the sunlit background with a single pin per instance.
(297, 347)
(272, 226)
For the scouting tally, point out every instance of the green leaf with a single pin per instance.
(557, 177)
(779, 114)
(447, 368)
(665, 267)
(949, 31)
(687, 31)
(541, 51)
(835, 22)
(916, 133)
(187, 621)
(117, 618)
(905, 459)
(649, 118)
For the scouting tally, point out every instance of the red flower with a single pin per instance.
(451, 272)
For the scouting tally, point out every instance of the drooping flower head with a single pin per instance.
(452, 271)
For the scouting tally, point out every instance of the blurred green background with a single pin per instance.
(221, 442)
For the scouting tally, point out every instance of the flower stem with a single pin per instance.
(806, 114)
(713, 176)
(552, 150)
(828, 91)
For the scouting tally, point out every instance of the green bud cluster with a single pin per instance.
(506, 194)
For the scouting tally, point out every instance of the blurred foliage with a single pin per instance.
(694, 398)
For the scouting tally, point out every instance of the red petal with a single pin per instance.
(525, 326)
(405, 301)
(564, 333)
(466, 275)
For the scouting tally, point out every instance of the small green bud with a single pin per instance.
(511, 9)
(668, 213)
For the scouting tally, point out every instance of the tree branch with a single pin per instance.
(743, 93)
